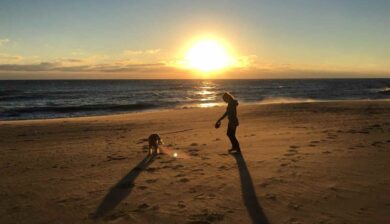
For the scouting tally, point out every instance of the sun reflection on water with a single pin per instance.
(208, 94)
(206, 105)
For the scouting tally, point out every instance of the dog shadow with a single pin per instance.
(123, 188)
(248, 192)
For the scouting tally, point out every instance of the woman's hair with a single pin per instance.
(227, 96)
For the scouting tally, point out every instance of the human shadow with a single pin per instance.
(123, 188)
(248, 192)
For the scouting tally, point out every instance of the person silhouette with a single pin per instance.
(231, 113)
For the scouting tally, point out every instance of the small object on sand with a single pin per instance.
(175, 154)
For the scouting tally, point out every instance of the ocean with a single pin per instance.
(42, 99)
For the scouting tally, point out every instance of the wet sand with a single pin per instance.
(317, 162)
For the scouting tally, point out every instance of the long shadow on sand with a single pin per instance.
(248, 192)
(122, 189)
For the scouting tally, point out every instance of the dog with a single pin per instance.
(154, 144)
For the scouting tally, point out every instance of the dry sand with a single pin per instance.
(323, 162)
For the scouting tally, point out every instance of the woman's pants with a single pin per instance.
(231, 133)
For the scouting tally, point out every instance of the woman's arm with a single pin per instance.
(223, 116)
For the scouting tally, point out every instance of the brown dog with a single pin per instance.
(154, 144)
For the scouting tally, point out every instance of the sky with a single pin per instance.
(52, 39)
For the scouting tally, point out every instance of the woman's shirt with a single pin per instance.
(232, 112)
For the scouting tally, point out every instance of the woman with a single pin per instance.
(231, 113)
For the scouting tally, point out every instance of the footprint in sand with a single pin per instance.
(167, 161)
(270, 196)
(222, 186)
(117, 216)
(71, 199)
(294, 146)
(332, 136)
(142, 187)
(142, 206)
(142, 140)
(150, 181)
(294, 206)
(110, 158)
(184, 180)
(264, 184)
(177, 167)
(375, 126)
(292, 221)
(181, 205)
(223, 154)
(205, 217)
(289, 154)
(223, 167)
(377, 144)
(28, 140)
(151, 169)
(180, 175)
(194, 154)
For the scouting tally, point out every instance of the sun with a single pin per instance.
(208, 56)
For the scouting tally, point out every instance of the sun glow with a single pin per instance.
(208, 56)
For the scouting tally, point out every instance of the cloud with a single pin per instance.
(72, 60)
(4, 41)
(103, 66)
(64, 66)
(141, 52)
(43, 66)
(77, 52)
(55, 70)
(7, 58)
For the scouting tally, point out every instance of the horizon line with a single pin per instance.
(198, 79)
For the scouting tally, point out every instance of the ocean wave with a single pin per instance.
(386, 90)
(49, 99)
(82, 108)
(20, 97)
(9, 92)
(280, 100)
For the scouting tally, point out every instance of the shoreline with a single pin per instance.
(271, 101)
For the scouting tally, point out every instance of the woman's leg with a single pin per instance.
(231, 133)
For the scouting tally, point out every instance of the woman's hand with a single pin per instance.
(217, 124)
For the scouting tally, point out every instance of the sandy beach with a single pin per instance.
(317, 162)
